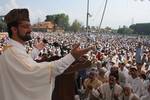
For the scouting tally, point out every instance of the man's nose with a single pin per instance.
(30, 29)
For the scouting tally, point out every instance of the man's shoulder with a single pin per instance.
(6, 47)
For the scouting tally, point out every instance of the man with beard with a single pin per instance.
(128, 93)
(21, 78)
(110, 90)
(92, 82)
(136, 83)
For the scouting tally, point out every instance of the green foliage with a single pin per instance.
(3, 26)
(125, 30)
(143, 28)
(61, 20)
(76, 26)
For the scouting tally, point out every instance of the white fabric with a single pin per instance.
(146, 97)
(137, 86)
(21, 78)
(107, 93)
(125, 71)
(95, 93)
(133, 96)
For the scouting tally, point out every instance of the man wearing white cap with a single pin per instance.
(110, 90)
(92, 82)
(136, 83)
(128, 94)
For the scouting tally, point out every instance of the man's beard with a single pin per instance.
(26, 37)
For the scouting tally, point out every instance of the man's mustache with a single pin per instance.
(27, 36)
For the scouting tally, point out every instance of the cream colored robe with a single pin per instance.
(21, 78)
(107, 93)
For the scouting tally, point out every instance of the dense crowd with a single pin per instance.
(120, 64)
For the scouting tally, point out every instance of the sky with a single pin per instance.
(118, 12)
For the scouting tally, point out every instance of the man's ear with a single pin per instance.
(14, 30)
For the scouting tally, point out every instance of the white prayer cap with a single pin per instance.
(133, 67)
(103, 69)
(121, 62)
(113, 61)
(93, 69)
(99, 62)
(147, 50)
(128, 65)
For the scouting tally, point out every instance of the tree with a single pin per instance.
(143, 28)
(76, 26)
(61, 20)
(125, 30)
(3, 26)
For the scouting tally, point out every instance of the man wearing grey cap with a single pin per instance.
(21, 78)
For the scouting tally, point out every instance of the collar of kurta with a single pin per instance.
(16, 44)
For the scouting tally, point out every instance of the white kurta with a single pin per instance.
(138, 86)
(108, 93)
(146, 97)
(132, 96)
(21, 78)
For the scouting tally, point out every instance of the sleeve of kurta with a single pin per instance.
(23, 66)
(58, 66)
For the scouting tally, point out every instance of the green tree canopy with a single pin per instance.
(141, 28)
(61, 20)
(125, 30)
(76, 25)
(3, 26)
